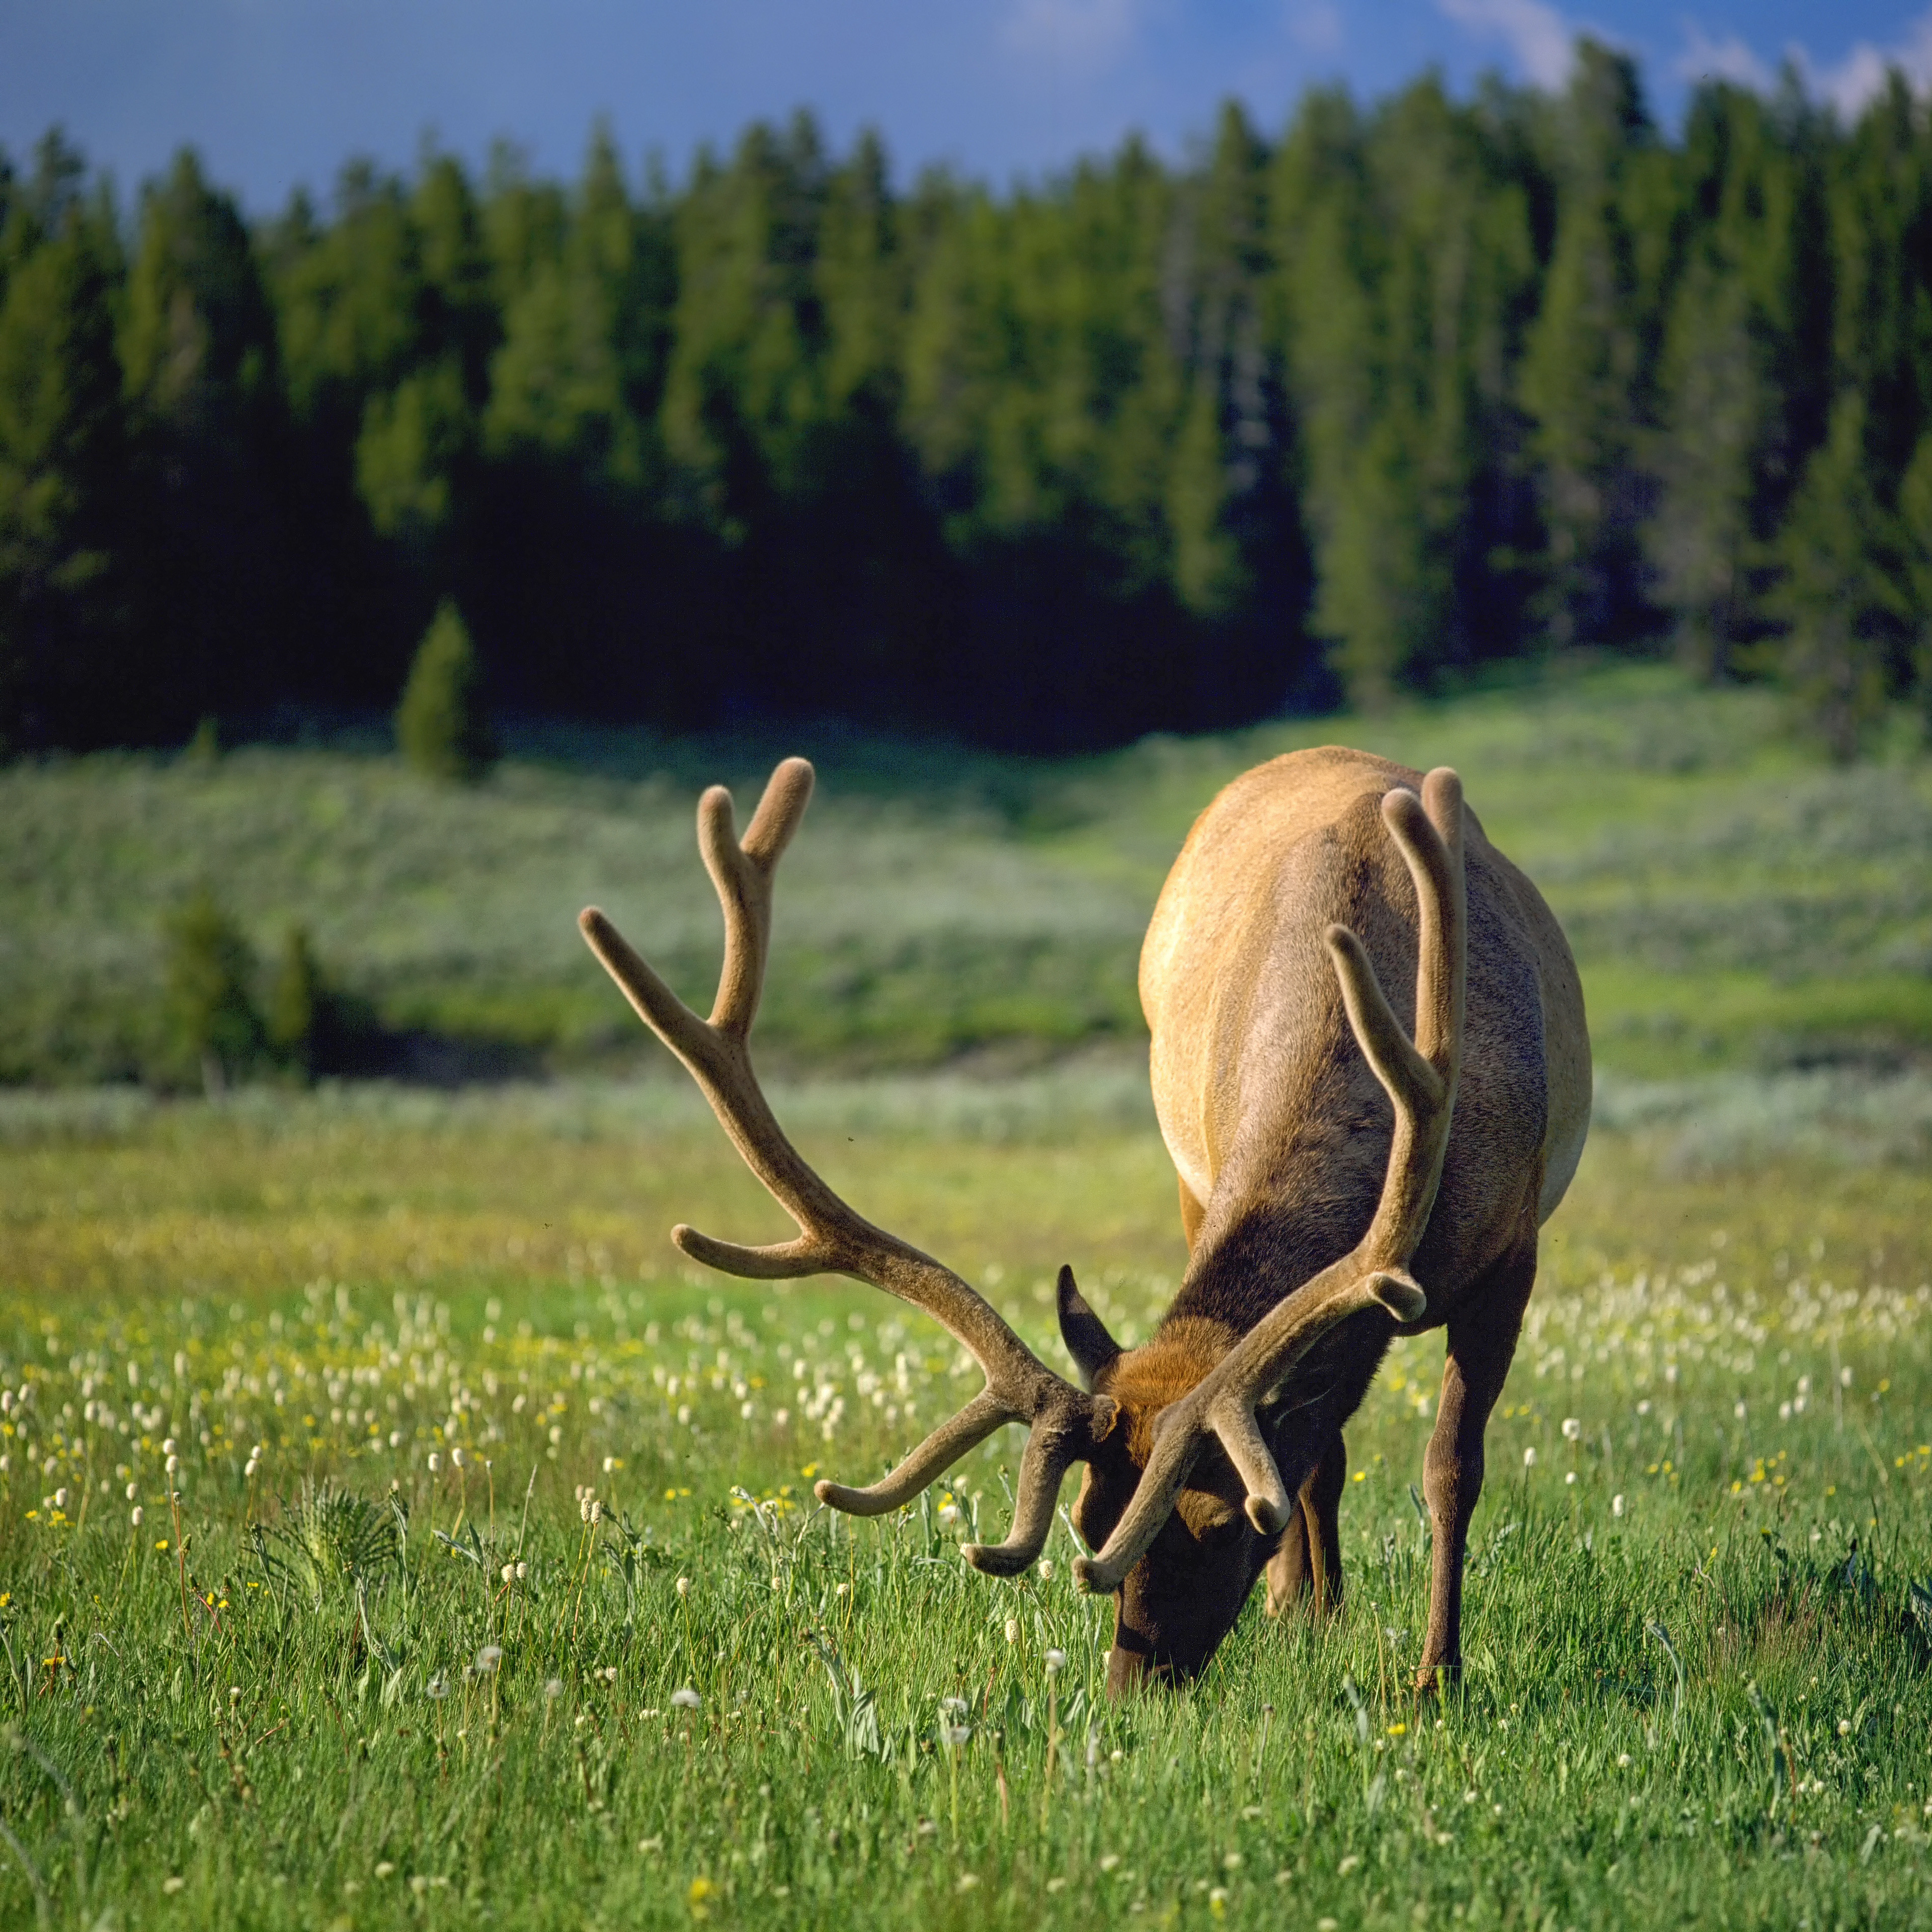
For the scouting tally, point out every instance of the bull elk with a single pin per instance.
(1326, 1203)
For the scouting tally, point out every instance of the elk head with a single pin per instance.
(1184, 1500)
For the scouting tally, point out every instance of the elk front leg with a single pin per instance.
(1482, 1337)
(1309, 1562)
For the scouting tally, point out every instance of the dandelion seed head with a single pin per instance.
(1616, 1505)
(1529, 1457)
(435, 1462)
(683, 1586)
(553, 1688)
(489, 1657)
(686, 1699)
(1573, 1428)
(438, 1687)
(1056, 1662)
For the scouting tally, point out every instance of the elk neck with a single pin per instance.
(1241, 1268)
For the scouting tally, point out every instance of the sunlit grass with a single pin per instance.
(1697, 1690)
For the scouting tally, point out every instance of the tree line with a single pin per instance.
(1408, 389)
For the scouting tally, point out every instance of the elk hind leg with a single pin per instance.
(1482, 1338)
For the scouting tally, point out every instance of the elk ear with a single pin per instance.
(1083, 1331)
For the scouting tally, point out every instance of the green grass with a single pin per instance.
(1712, 1708)
(1734, 903)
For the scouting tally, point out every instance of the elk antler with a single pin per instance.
(1066, 1422)
(1420, 1076)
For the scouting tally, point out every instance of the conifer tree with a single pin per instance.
(1584, 362)
(63, 590)
(212, 1027)
(1844, 613)
(442, 730)
(1915, 536)
(297, 1001)
(200, 352)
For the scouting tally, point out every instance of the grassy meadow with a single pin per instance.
(307, 1401)
(1735, 904)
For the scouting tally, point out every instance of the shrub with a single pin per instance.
(442, 729)
(295, 1004)
(212, 1027)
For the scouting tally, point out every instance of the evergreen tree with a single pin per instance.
(1409, 268)
(1406, 387)
(212, 1030)
(1880, 229)
(1744, 366)
(1585, 363)
(297, 1002)
(64, 615)
(1915, 537)
(200, 354)
(1844, 613)
(442, 728)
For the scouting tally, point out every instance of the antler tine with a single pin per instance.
(1061, 1436)
(926, 1464)
(832, 1238)
(743, 875)
(1420, 1076)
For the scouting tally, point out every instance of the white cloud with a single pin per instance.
(1729, 59)
(1084, 33)
(1315, 25)
(1543, 43)
(1860, 75)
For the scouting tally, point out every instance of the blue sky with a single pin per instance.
(279, 92)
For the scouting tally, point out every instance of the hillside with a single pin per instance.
(1735, 902)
